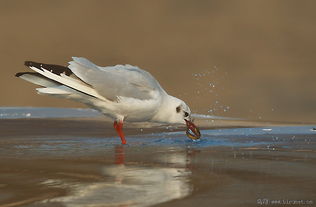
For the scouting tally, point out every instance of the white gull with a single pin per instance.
(122, 92)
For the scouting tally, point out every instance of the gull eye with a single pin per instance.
(186, 114)
(178, 109)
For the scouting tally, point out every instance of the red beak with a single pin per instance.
(192, 131)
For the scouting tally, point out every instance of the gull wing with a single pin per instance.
(113, 82)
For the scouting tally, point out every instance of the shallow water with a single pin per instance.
(227, 167)
(45, 112)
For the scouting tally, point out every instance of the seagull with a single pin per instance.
(121, 92)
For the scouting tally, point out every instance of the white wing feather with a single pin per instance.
(70, 82)
(116, 81)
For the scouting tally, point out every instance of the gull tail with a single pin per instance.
(57, 80)
(37, 79)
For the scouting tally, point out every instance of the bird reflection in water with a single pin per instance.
(135, 183)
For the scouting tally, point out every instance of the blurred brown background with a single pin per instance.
(251, 59)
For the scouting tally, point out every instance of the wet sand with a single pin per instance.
(80, 162)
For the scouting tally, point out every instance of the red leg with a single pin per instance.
(119, 129)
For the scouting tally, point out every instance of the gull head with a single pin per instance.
(176, 111)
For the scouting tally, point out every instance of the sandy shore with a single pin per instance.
(46, 162)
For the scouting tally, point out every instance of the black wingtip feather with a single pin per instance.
(18, 74)
(23, 73)
(32, 64)
(57, 69)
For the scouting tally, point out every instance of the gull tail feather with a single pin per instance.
(37, 79)
(54, 91)
(59, 81)
(68, 81)
(69, 93)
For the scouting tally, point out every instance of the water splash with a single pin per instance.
(208, 83)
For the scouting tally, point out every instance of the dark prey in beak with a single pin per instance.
(192, 131)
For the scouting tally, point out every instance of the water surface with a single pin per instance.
(82, 163)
